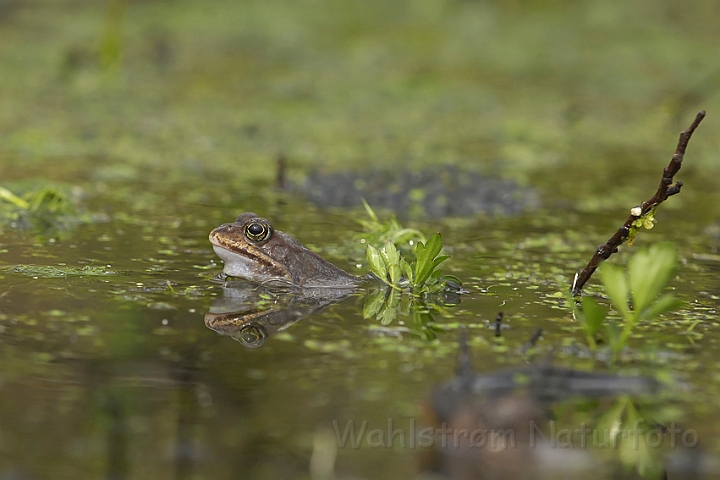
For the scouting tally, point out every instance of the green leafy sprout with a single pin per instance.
(646, 221)
(635, 294)
(406, 263)
(420, 277)
(392, 263)
(378, 232)
(44, 199)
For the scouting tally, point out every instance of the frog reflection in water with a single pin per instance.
(250, 313)
(253, 250)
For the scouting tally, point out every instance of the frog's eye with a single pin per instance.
(252, 336)
(257, 232)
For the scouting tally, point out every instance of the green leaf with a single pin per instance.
(391, 308)
(373, 303)
(421, 277)
(434, 245)
(612, 334)
(394, 299)
(613, 279)
(395, 273)
(390, 254)
(650, 270)
(664, 304)
(610, 424)
(10, 197)
(439, 260)
(407, 270)
(421, 327)
(420, 253)
(369, 211)
(377, 266)
(426, 261)
(404, 235)
(387, 315)
(634, 451)
(451, 278)
(594, 316)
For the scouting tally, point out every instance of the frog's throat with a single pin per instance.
(256, 268)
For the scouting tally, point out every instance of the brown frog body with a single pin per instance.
(252, 249)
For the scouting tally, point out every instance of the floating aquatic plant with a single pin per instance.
(47, 271)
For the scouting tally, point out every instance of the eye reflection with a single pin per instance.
(252, 336)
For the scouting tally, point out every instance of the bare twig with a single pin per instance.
(665, 190)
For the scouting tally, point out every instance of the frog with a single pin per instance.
(252, 249)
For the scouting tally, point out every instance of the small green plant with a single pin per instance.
(43, 200)
(43, 207)
(423, 276)
(633, 440)
(635, 294)
(377, 232)
(405, 263)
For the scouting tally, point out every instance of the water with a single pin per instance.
(164, 120)
(116, 374)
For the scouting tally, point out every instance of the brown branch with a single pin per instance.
(665, 190)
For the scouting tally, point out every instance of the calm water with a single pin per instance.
(164, 119)
(117, 375)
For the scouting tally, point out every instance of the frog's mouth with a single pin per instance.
(236, 265)
(251, 267)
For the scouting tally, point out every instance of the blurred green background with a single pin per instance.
(546, 92)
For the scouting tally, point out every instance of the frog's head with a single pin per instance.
(252, 249)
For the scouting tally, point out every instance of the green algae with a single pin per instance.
(48, 271)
